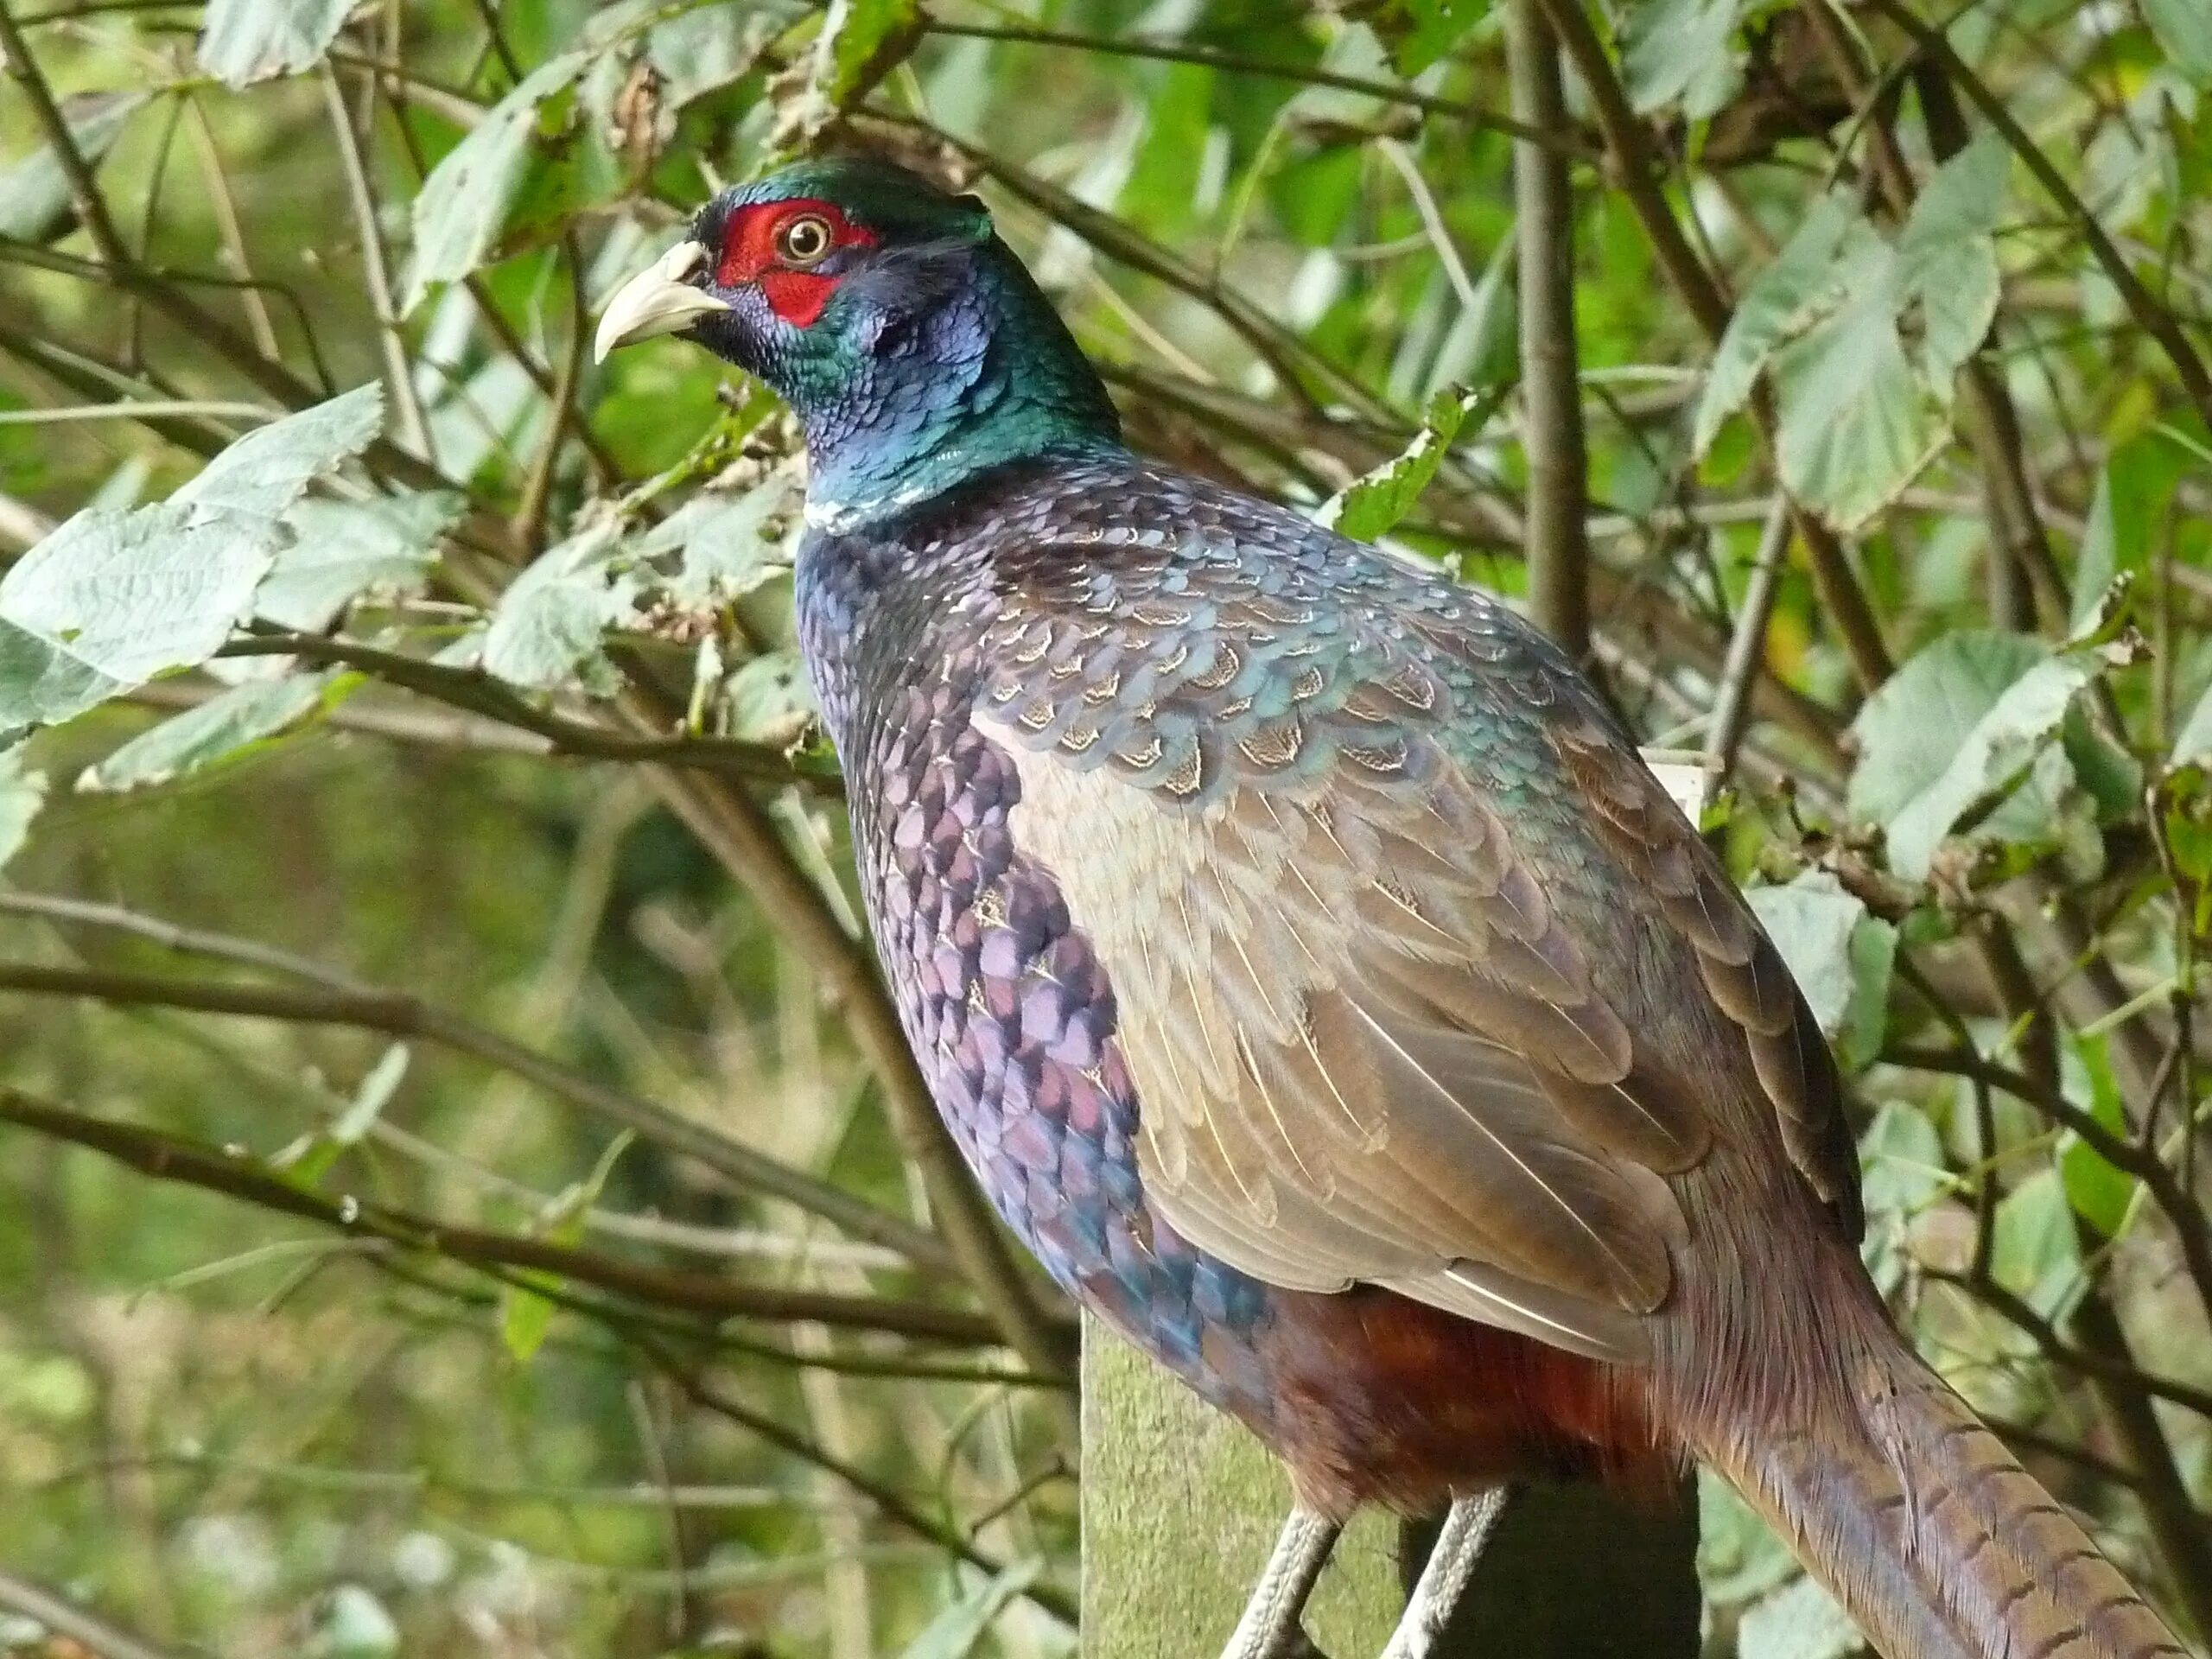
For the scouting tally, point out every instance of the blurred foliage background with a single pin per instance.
(452, 1198)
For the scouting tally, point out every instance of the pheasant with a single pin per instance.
(1314, 976)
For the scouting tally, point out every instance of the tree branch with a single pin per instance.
(711, 1296)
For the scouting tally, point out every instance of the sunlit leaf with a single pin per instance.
(1371, 506)
(721, 543)
(549, 628)
(226, 728)
(1801, 286)
(464, 204)
(768, 700)
(245, 41)
(1958, 724)
(1856, 424)
(341, 549)
(861, 41)
(267, 470)
(1947, 255)
(1839, 954)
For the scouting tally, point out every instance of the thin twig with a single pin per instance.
(706, 1295)
(397, 1015)
(414, 430)
(65, 1618)
(1551, 391)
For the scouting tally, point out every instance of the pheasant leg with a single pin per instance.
(1269, 1627)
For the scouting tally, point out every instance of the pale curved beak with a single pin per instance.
(657, 301)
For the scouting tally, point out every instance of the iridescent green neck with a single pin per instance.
(938, 387)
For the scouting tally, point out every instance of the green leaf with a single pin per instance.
(1371, 506)
(2100, 1192)
(1799, 1621)
(1839, 954)
(267, 470)
(1421, 32)
(341, 549)
(861, 40)
(22, 792)
(1800, 287)
(769, 700)
(224, 729)
(1810, 922)
(525, 1317)
(246, 41)
(118, 595)
(1682, 51)
(726, 552)
(1738, 1557)
(2184, 31)
(2037, 1252)
(2193, 743)
(465, 202)
(549, 628)
(1900, 1161)
(2137, 481)
(1953, 729)
(1946, 256)
(110, 599)
(960, 1626)
(34, 204)
(1857, 426)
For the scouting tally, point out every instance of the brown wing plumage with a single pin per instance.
(1418, 988)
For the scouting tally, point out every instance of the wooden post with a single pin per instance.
(1180, 1507)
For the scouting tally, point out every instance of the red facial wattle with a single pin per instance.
(796, 294)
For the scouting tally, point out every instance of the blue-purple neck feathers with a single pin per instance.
(964, 370)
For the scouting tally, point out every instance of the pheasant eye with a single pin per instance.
(805, 240)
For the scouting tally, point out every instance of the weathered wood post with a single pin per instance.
(1180, 1507)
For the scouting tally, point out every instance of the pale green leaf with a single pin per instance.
(2193, 743)
(341, 549)
(110, 599)
(2184, 31)
(1900, 1161)
(723, 543)
(1946, 256)
(355, 1625)
(225, 727)
(245, 41)
(22, 792)
(768, 700)
(1800, 287)
(464, 204)
(267, 470)
(372, 1097)
(34, 203)
(1799, 1621)
(959, 1625)
(1372, 505)
(1996, 751)
(2037, 1252)
(1810, 922)
(549, 628)
(1857, 425)
(1682, 51)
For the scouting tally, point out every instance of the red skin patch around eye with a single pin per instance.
(749, 256)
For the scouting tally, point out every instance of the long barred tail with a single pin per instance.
(1934, 1540)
